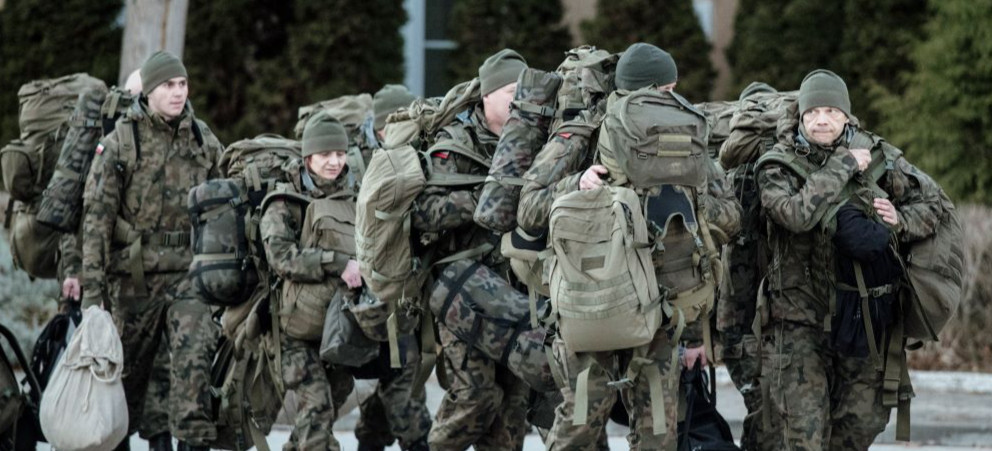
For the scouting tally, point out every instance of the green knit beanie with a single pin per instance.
(823, 88)
(159, 68)
(323, 133)
(389, 99)
(643, 65)
(500, 70)
(754, 88)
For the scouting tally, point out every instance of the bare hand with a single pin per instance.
(863, 156)
(691, 354)
(70, 288)
(351, 276)
(591, 179)
(887, 211)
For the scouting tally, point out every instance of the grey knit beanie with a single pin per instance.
(643, 65)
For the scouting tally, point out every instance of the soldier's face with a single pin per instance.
(824, 124)
(497, 106)
(328, 165)
(168, 99)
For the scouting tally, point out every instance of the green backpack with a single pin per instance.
(587, 77)
(94, 116)
(28, 163)
(356, 113)
(244, 397)
(418, 124)
(228, 265)
(718, 114)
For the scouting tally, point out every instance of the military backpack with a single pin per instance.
(95, 115)
(228, 264)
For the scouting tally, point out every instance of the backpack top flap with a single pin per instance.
(46, 104)
(352, 111)
(418, 123)
(587, 75)
(653, 138)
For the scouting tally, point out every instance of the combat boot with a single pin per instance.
(160, 442)
(183, 446)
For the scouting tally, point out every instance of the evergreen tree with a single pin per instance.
(254, 63)
(780, 41)
(482, 27)
(47, 39)
(875, 55)
(942, 119)
(669, 24)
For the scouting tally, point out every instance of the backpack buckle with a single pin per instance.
(625, 383)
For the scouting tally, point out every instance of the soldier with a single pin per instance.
(557, 173)
(746, 262)
(393, 410)
(820, 397)
(319, 391)
(485, 404)
(136, 249)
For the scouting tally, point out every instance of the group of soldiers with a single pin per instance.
(818, 395)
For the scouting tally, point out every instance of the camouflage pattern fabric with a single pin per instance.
(820, 399)
(485, 406)
(607, 367)
(525, 131)
(169, 312)
(741, 358)
(392, 411)
(320, 392)
(155, 418)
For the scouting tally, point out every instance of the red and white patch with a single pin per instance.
(565, 135)
(99, 149)
(442, 154)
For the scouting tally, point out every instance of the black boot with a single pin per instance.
(160, 442)
(183, 446)
(419, 445)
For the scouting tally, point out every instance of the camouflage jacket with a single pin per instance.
(282, 224)
(135, 198)
(800, 273)
(447, 211)
(70, 256)
(560, 164)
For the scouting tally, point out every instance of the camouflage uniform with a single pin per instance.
(135, 206)
(319, 390)
(556, 172)
(485, 405)
(823, 400)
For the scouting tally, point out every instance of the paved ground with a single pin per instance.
(951, 411)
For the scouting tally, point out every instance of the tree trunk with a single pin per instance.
(151, 25)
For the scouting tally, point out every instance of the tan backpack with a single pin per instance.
(418, 124)
(328, 224)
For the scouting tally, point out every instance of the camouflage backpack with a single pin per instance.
(244, 398)
(587, 78)
(356, 113)
(94, 116)
(28, 164)
(228, 264)
(718, 114)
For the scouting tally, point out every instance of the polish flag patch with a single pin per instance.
(442, 154)
(99, 149)
(565, 135)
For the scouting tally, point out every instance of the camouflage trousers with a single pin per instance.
(820, 400)
(155, 419)
(170, 313)
(605, 367)
(741, 358)
(392, 411)
(485, 405)
(320, 392)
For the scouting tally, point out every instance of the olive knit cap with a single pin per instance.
(389, 99)
(159, 68)
(754, 88)
(323, 133)
(643, 65)
(823, 88)
(500, 70)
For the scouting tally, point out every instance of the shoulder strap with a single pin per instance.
(282, 194)
(785, 158)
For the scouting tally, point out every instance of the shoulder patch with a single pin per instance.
(442, 154)
(99, 149)
(566, 135)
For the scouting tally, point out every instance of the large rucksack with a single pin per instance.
(718, 115)
(28, 164)
(95, 115)
(587, 78)
(357, 115)
(244, 398)
(228, 259)
(418, 124)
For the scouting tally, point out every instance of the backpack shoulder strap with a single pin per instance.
(785, 158)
